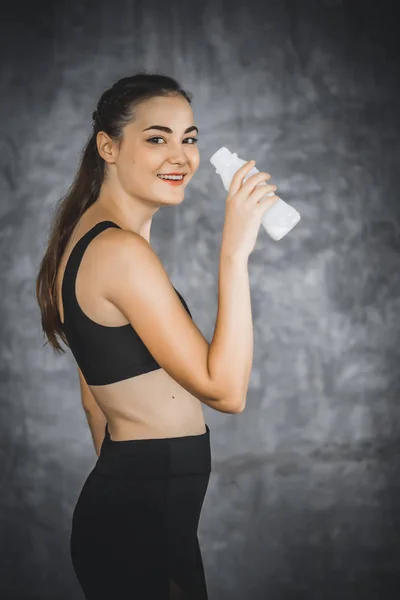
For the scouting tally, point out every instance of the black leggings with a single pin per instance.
(134, 527)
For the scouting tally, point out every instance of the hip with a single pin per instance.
(150, 483)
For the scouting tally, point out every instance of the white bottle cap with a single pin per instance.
(221, 157)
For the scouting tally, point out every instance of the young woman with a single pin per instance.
(145, 369)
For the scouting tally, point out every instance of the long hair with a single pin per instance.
(115, 109)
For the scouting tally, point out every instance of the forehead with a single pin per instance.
(164, 111)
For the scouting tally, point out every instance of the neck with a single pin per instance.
(145, 231)
(125, 214)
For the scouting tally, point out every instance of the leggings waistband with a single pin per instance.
(183, 455)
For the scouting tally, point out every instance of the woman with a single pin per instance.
(144, 367)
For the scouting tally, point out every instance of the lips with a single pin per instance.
(175, 182)
(171, 174)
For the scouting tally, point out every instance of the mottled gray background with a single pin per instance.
(304, 497)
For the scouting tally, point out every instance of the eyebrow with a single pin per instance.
(168, 130)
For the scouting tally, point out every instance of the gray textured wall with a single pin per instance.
(304, 496)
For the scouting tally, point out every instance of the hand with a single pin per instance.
(245, 206)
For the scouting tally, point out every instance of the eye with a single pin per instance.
(195, 140)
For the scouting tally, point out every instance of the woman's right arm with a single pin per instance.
(135, 281)
(230, 357)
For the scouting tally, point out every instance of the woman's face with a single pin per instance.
(146, 152)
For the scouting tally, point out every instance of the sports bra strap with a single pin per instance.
(74, 260)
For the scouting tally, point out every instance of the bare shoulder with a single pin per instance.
(122, 250)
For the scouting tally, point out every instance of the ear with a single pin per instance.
(106, 147)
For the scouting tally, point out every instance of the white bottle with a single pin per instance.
(277, 220)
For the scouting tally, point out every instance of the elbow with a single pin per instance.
(229, 402)
(238, 403)
(238, 408)
(233, 406)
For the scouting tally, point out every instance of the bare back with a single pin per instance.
(149, 405)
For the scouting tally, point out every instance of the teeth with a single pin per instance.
(174, 177)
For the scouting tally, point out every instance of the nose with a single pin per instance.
(178, 155)
(178, 159)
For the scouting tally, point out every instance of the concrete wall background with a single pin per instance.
(304, 498)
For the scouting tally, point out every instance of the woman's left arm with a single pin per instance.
(95, 417)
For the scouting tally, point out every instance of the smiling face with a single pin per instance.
(145, 151)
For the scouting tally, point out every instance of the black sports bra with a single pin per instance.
(104, 354)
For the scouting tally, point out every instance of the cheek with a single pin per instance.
(144, 161)
(131, 175)
(195, 158)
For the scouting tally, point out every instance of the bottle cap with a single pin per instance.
(221, 157)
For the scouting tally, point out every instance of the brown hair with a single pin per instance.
(115, 110)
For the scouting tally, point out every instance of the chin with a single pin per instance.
(170, 197)
(176, 199)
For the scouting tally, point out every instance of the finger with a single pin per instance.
(267, 202)
(239, 176)
(252, 182)
(260, 192)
